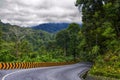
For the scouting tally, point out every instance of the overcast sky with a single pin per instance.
(34, 12)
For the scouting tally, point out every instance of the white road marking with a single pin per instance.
(12, 73)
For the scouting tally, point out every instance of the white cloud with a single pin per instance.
(33, 12)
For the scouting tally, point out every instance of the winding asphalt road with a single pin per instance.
(67, 72)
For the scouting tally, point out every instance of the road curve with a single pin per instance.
(67, 72)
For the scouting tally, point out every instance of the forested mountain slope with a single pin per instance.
(16, 41)
(51, 27)
(29, 45)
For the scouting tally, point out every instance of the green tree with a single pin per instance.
(100, 18)
(62, 39)
(73, 31)
(18, 36)
(25, 47)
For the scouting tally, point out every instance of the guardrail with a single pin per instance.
(25, 65)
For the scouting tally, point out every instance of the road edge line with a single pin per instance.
(11, 74)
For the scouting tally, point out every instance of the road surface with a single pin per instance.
(67, 72)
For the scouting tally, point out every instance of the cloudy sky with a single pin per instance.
(33, 12)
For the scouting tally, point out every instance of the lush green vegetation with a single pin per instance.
(101, 32)
(19, 44)
(97, 41)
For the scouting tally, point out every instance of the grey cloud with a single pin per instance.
(33, 12)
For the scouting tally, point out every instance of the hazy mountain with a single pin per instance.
(51, 27)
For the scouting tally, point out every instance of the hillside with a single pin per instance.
(17, 42)
(51, 27)
(20, 44)
(28, 45)
(13, 33)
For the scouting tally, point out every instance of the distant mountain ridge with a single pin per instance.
(51, 27)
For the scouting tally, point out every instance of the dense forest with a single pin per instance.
(101, 35)
(28, 44)
(21, 44)
(97, 41)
